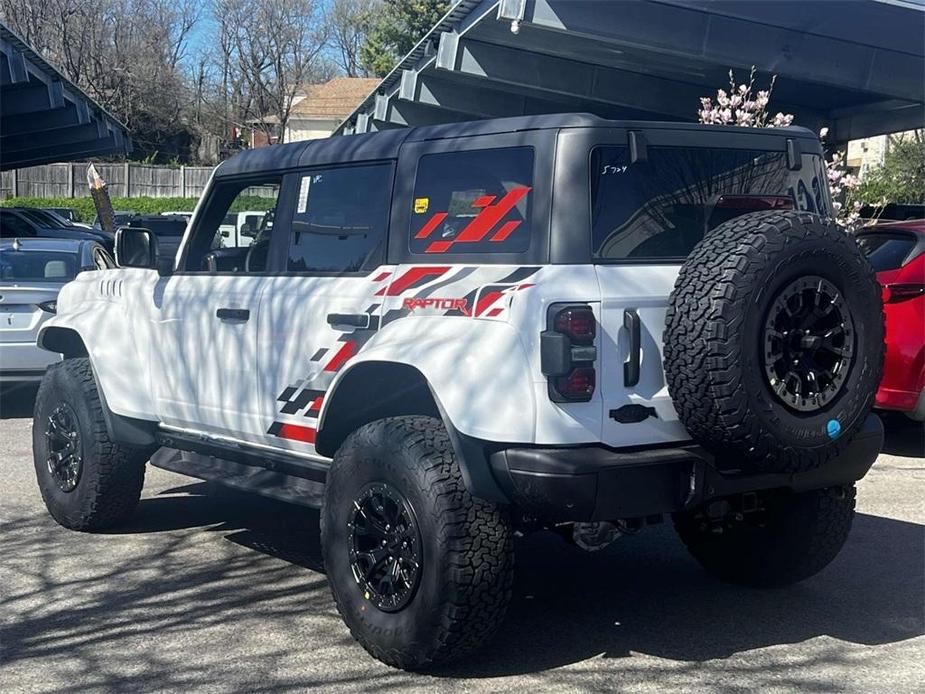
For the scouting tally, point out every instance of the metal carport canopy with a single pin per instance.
(855, 66)
(44, 118)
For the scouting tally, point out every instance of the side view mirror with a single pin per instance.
(137, 247)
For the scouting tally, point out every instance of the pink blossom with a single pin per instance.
(736, 107)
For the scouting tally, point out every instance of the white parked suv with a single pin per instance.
(452, 333)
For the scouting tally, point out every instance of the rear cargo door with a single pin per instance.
(637, 407)
(650, 205)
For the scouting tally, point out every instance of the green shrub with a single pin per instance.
(86, 211)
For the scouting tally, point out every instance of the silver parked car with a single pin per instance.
(32, 272)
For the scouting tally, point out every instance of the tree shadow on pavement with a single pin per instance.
(646, 595)
(98, 600)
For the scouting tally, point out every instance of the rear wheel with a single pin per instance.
(420, 571)
(87, 481)
(788, 537)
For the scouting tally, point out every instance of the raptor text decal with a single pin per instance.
(462, 305)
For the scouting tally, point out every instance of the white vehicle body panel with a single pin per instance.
(645, 289)
(214, 387)
(472, 329)
(236, 379)
(107, 311)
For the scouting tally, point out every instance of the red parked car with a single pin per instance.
(897, 252)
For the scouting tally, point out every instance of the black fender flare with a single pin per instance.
(374, 390)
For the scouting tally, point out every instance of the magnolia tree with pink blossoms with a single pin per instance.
(746, 106)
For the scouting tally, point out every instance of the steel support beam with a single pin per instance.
(463, 94)
(407, 113)
(704, 36)
(855, 67)
(861, 124)
(593, 85)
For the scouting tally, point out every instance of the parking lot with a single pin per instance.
(218, 591)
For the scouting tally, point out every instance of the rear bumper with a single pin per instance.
(596, 483)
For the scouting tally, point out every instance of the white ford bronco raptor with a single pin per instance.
(442, 336)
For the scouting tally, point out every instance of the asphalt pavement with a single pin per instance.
(212, 590)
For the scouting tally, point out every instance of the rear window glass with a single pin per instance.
(475, 201)
(37, 266)
(661, 207)
(886, 251)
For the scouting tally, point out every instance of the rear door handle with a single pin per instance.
(356, 320)
(631, 366)
(233, 314)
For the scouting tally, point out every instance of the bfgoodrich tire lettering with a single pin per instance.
(110, 477)
(715, 360)
(466, 554)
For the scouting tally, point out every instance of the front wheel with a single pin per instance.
(788, 537)
(88, 481)
(420, 570)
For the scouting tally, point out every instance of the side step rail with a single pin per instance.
(250, 478)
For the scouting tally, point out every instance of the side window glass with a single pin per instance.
(233, 233)
(341, 219)
(475, 201)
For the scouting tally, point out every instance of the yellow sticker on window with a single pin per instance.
(421, 205)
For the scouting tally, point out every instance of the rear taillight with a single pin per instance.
(578, 323)
(578, 385)
(567, 352)
(49, 306)
(894, 293)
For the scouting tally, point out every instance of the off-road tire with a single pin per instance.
(794, 537)
(715, 326)
(111, 475)
(467, 568)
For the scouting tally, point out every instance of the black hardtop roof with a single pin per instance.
(386, 144)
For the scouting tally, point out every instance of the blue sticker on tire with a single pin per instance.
(833, 428)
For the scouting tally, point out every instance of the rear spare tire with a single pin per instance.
(774, 341)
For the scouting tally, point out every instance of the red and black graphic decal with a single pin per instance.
(491, 215)
(293, 432)
(413, 278)
(305, 397)
(489, 294)
(296, 399)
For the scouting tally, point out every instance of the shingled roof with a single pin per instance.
(335, 99)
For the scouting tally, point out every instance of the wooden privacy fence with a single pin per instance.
(124, 180)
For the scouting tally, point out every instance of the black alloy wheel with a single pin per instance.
(62, 436)
(808, 343)
(385, 547)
